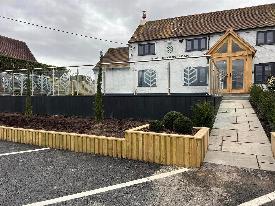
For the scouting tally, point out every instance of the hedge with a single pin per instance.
(263, 101)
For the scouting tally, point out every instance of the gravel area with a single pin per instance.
(210, 185)
(8, 147)
(108, 127)
(37, 176)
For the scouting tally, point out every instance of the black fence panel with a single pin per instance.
(115, 106)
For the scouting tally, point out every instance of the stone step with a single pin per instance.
(235, 96)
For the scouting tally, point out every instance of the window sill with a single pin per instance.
(196, 50)
(146, 55)
(265, 44)
(146, 87)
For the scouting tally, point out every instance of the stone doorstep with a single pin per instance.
(233, 107)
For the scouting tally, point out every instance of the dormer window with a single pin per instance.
(196, 44)
(266, 37)
(146, 49)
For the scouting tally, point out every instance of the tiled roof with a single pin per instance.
(15, 49)
(120, 54)
(206, 23)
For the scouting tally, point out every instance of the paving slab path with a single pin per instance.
(238, 138)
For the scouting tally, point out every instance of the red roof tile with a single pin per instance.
(206, 23)
(15, 49)
(120, 54)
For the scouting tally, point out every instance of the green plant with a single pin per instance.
(169, 118)
(203, 114)
(98, 96)
(156, 126)
(255, 93)
(28, 102)
(271, 84)
(183, 125)
(263, 102)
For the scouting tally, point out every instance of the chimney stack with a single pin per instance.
(143, 20)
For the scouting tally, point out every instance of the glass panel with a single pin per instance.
(152, 48)
(146, 49)
(267, 72)
(203, 43)
(202, 75)
(237, 73)
(188, 45)
(196, 44)
(269, 37)
(140, 78)
(260, 38)
(258, 74)
(140, 50)
(236, 47)
(223, 48)
(222, 67)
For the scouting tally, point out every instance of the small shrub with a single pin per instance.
(256, 92)
(169, 118)
(203, 115)
(271, 84)
(156, 126)
(183, 125)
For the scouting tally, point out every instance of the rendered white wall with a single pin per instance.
(125, 81)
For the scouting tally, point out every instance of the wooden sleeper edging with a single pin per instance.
(161, 148)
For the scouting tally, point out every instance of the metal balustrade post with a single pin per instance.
(12, 83)
(32, 83)
(77, 84)
(21, 84)
(53, 81)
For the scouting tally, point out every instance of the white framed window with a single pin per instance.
(195, 76)
(147, 78)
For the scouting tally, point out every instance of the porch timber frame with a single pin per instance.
(246, 54)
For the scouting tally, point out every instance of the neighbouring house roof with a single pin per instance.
(206, 23)
(119, 55)
(15, 49)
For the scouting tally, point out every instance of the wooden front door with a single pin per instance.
(236, 74)
(233, 58)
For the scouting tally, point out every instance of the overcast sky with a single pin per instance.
(107, 19)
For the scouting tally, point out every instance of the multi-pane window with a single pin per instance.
(147, 78)
(263, 71)
(195, 76)
(196, 44)
(266, 37)
(146, 49)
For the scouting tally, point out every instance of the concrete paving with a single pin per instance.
(238, 138)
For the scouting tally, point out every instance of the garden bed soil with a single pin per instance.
(108, 127)
(194, 131)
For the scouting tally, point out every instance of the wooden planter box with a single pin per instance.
(167, 149)
(273, 143)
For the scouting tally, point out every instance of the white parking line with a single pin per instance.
(260, 200)
(109, 188)
(26, 151)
